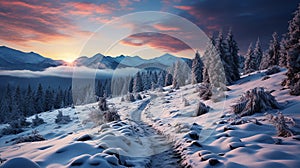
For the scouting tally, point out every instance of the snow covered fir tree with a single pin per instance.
(197, 69)
(292, 49)
(272, 55)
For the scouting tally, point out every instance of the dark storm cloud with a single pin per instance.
(249, 19)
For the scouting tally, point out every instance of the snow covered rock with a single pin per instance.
(272, 70)
(61, 119)
(19, 162)
(84, 137)
(201, 109)
(37, 121)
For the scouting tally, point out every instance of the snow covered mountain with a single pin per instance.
(97, 61)
(11, 59)
(102, 62)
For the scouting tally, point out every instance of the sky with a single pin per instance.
(67, 29)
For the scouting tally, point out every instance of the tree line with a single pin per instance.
(17, 103)
(283, 53)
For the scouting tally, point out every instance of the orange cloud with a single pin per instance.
(184, 7)
(163, 27)
(124, 4)
(85, 8)
(42, 21)
(22, 22)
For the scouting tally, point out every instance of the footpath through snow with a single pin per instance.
(126, 143)
(162, 154)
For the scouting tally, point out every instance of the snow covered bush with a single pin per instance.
(138, 97)
(295, 89)
(103, 114)
(160, 89)
(111, 115)
(102, 104)
(15, 126)
(96, 116)
(201, 109)
(280, 122)
(265, 78)
(130, 97)
(61, 119)
(204, 91)
(185, 102)
(37, 121)
(253, 101)
(35, 136)
(273, 70)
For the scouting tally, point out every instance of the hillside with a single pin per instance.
(160, 128)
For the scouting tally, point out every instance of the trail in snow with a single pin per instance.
(162, 152)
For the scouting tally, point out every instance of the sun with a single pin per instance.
(69, 62)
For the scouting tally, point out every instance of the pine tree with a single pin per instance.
(69, 96)
(29, 102)
(179, 74)
(5, 107)
(146, 81)
(4, 110)
(205, 75)
(250, 62)
(283, 52)
(99, 88)
(293, 54)
(197, 69)
(168, 79)
(234, 56)
(207, 60)
(16, 105)
(214, 73)
(222, 49)
(161, 79)
(153, 78)
(130, 86)
(275, 45)
(271, 58)
(48, 103)
(58, 99)
(258, 54)
(39, 99)
(137, 83)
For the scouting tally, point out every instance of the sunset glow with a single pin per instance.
(60, 29)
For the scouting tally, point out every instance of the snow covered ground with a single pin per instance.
(213, 140)
(159, 131)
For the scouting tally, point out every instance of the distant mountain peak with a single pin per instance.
(101, 61)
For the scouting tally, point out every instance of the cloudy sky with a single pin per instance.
(62, 29)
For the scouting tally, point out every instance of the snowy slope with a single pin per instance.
(200, 141)
(223, 144)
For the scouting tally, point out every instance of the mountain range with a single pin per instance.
(12, 59)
